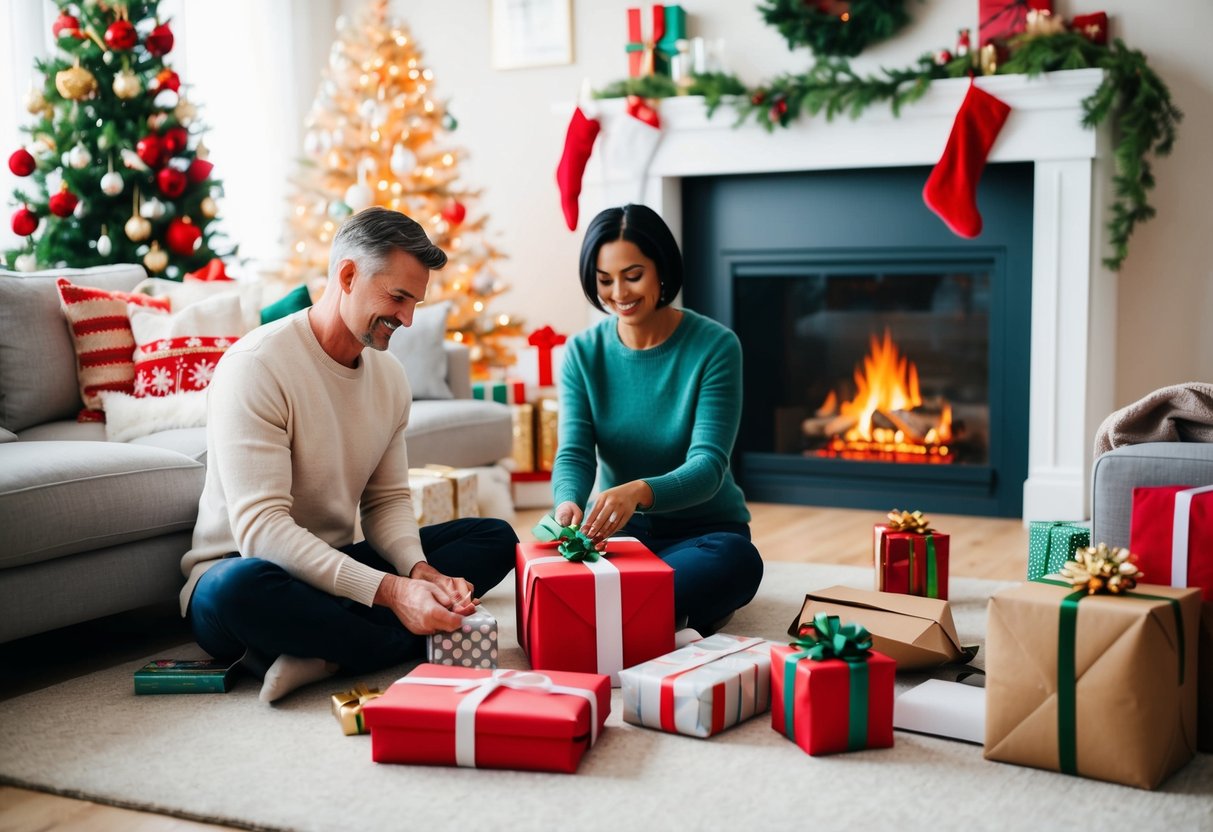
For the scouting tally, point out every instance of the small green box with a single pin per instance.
(1051, 544)
(184, 676)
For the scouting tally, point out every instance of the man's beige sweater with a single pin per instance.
(295, 443)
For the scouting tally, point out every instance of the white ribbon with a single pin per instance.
(608, 609)
(1179, 534)
(480, 688)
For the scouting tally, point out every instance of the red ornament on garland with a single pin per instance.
(25, 221)
(151, 150)
(121, 35)
(454, 212)
(174, 140)
(21, 162)
(182, 236)
(66, 24)
(200, 171)
(63, 203)
(160, 40)
(171, 181)
(1093, 27)
(778, 110)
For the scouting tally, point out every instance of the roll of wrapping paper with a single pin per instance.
(523, 416)
(548, 416)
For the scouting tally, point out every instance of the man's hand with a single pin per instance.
(458, 590)
(422, 607)
(615, 507)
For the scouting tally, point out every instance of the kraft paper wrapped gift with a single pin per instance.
(433, 497)
(701, 689)
(1171, 533)
(1051, 544)
(474, 644)
(1102, 686)
(593, 616)
(918, 633)
(514, 719)
(465, 482)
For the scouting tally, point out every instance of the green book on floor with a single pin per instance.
(184, 676)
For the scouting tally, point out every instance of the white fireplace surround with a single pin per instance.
(1073, 296)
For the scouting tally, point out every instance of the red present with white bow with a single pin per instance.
(540, 361)
(594, 617)
(515, 719)
(702, 688)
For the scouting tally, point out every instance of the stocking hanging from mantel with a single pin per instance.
(951, 189)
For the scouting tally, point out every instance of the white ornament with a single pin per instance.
(81, 209)
(112, 184)
(358, 196)
(26, 263)
(79, 157)
(403, 160)
(104, 245)
(131, 159)
(39, 148)
(152, 209)
(165, 99)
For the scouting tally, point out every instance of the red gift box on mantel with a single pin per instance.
(1000, 20)
(593, 617)
(829, 705)
(514, 719)
(910, 557)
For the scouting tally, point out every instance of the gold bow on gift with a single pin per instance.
(909, 521)
(1102, 569)
(347, 707)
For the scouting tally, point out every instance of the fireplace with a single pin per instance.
(885, 360)
(1056, 378)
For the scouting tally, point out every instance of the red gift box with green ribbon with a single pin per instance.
(653, 38)
(910, 557)
(830, 692)
(1097, 685)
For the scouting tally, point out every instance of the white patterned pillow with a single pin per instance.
(178, 352)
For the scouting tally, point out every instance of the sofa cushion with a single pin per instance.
(1116, 473)
(419, 348)
(60, 498)
(190, 442)
(37, 360)
(64, 430)
(461, 432)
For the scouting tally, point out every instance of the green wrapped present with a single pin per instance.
(1051, 544)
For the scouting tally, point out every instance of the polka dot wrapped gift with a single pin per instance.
(473, 645)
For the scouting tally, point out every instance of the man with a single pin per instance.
(305, 428)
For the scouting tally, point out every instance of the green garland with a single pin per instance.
(1131, 95)
(807, 23)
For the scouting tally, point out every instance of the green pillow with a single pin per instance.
(292, 302)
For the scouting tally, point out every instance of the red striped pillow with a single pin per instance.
(105, 346)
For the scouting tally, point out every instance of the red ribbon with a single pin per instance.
(640, 48)
(211, 271)
(544, 339)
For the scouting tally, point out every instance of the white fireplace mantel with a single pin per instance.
(1073, 314)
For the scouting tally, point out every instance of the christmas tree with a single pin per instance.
(118, 173)
(375, 136)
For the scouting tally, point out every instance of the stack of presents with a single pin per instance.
(1088, 669)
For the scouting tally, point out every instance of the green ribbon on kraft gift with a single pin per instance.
(932, 569)
(574, 546)
(834, 640)
(1091, 573)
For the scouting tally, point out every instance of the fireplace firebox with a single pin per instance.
(885, 359)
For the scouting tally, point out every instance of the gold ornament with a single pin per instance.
(127, 84)
(202, 151)
(1102, 569)
(75, 83)
(1042, 22)
(137, 229)
(208, 207)
(185, 112)
(989, 59)
(157, 120)
(35, 102)
(908, 521)
(155, 260)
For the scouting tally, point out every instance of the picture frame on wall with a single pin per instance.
(530, 33)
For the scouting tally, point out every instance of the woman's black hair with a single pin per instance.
(641, 225)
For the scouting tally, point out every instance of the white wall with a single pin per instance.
(514, 137)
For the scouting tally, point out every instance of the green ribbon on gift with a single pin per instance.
(1067, 676)
(932, 569)
(574, 545)
(675, 30)
(833, 640)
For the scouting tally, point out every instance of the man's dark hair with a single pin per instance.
(637, 224)
(369, 236)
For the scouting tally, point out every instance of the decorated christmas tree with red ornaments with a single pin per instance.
(377, 135)
(114, 170)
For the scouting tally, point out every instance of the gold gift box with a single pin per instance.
(523, 416)
(433, 497)
(465, 483)
(347, 707)
(547, 414)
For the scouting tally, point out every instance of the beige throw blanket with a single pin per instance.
(1180, 413)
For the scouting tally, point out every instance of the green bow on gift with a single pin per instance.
(575, 546)
(835, 640)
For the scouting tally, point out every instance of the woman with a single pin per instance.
(655, 392)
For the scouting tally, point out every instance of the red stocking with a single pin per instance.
(951, 190)
(578, 142)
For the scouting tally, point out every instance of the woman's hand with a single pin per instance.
(615, 507)
(568, 513)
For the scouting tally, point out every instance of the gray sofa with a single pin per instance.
(1116, 473)
(89, 527)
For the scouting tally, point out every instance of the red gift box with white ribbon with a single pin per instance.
(593, 617)
(514, 719)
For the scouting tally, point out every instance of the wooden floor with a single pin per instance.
(981, 547)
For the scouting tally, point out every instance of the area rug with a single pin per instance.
(233, 760)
